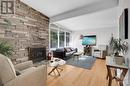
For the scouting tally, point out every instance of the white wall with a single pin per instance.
(103, 36)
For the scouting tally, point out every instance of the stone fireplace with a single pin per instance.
(37, 54)
(28, 27)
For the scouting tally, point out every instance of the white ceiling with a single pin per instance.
(78, 14)
(102, 19)
(55, 7)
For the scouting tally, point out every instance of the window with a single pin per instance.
(53, 38)
(67, 38)
(61, 38)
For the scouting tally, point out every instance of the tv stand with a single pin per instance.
(88, 50)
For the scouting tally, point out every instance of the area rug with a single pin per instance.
(83, 61)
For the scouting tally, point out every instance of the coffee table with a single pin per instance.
(56, 63)
(77, 54)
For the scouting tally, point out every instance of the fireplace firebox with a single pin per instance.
(37, 54)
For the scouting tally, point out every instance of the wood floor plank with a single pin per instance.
(75, 76)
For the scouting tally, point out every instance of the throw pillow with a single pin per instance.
(71, 49)
(68, 49)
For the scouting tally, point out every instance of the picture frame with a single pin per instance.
(123, 25)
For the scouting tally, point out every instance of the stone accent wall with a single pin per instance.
(28, 28)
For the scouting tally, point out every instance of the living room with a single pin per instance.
(53, 44)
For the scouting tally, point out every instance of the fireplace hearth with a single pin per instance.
(37, 54)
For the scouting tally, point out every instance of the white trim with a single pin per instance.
(58, 38)
(49, 39)
(65, 39)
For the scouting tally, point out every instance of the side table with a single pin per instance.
(56, 63)
(110, 64)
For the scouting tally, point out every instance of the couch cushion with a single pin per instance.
(72, 52)
(68, 54)
(28, 69)
(23, 65)
(60, 49)
(7, 71)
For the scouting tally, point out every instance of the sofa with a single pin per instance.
(28, 74)
(64, 53)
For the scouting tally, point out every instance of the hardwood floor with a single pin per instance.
(74, 76)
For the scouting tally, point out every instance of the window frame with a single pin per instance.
(66, 39)
(50, 38)
(58, 45)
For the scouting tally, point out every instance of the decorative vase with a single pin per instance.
(119, 60)
(49, 56)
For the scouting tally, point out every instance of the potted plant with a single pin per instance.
(118, 47)
(5, 49)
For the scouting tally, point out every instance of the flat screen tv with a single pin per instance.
(89, 40)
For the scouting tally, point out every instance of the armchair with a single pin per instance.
(100, 52)
(33, 77)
